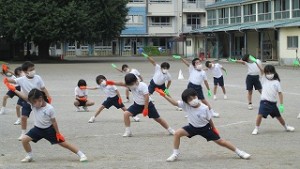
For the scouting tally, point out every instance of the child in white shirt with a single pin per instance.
(81, 96)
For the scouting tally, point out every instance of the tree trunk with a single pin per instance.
(44, 49)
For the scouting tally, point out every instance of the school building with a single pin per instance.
(268, 29)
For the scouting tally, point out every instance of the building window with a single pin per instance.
(235, 14)
(188, 43)
(134, 20)
(223, 16)
(211, 17)
(160, 21)
(193, 20)
(136, 1)
(159, 42)
(160, 1)
(296, 8)
(191, 1)
(282, 9)
(249, 13)
(292, 42)
(264, 11)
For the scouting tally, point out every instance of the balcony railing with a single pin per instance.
(188, 28)
(264, 16)
(235, 20)
(223, 21)
(281, 14)
(199, 4)
(249, 18)
(296, 13)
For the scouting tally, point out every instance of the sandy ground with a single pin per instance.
(150, 145)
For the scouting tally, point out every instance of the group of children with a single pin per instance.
(34, 97)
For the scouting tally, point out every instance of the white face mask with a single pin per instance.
(127, 70)
(31, 73)
(270, 76)
(164, 71)
(103, 83)
(199, 67)
(212, 65)
(194, 102)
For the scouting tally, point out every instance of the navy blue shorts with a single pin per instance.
(11, 94)
(112, 101)
(136, 109)
(20, 102)
(152, 86)
(253, 80)
(268, 108)
(81, 103)
(48, 133)
(219, 81)
(205, 132)
(198, 89)
(26, 109)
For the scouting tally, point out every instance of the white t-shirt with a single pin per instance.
(109, 90)
(216, 70)
(43, 116)
(160, 78)
(196, 77)
(270, 89)
(197, 117)
(139, 92)
(136, 73)
(253, 68)
(80, 93)
(28, 84)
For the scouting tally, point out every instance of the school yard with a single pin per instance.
(150, 146)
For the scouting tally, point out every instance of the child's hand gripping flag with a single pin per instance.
(215, 131)
(113, 65)
(252, 58)
(232, 60)
(160, 91)
(120, 101)
(145, 112)
(176, 57)
(209, 93)
(60, 137)
(4, 68)
(281, 108)
(145, 55)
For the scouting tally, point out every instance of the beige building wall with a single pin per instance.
(253, 43)
(287, 55)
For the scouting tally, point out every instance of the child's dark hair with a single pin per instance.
(194, 61)
(100, 77)
(130, 79)
(26, 65)
(271, 69)
(81, 82)
(18, 70)
(165, 65)
(246, 57)
(124, 67)
(187, 93)
(207, 63)
(36, 94)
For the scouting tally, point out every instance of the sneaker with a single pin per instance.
(225, 97)
(136, 118)
(178, 108)
(255, 131)
(78, 109)
(289, 128)
(83, 158)
(127, 134)
(243, 155)
(215, 97)
(27, 159)
(92, 120)
(18, 122)
(21, 137)
(172, 158)
(171, 131)
(2, 111)
(85, 108)
(298, 117)
(250, 107)
(214, 114)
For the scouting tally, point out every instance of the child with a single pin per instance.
(10, 94)
(141, 103)
(216, 70)
(200, 123)
(252, 79)
(27, 83)
(45, 125)
(160, 77)
(81, 96)
(113, 97)
(196, 78)
(271, 87)
(126, 69)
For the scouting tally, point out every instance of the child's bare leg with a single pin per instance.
(178, 134)
(90, 103)
(162, 122)
(281, 121)
(18, 111)
(76, 103)
(99, 111)
(127, 115)
(223, 89)
(69, 147)
(215, 89)
(4, 102)
(25, 142)
(249, 96)
(258, 120)
(226, 144)
(24, 122)
(127, 93)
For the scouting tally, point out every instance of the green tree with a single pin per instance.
(47, 21)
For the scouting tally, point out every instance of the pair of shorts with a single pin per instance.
(48, 133)
(219, 81)
(253, 80)
(136, 109)
(205, 132)
(198, 89)
(26, 109)
(20, 102)
(152, 86)
(81, 103)
(112, 101)
(11, 94)
(268, 108)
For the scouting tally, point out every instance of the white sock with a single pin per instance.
(285, 126)
(127, 128)
(237, 151)
(169, 129)
(257, 127)
(80, 154)
(29, 154)
(23, 132)
(176, 151)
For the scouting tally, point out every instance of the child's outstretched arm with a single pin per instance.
(207, 87)
(59, 136)
(168, 98)
(182, 59)
(151, 60)
(115, 67)
(13, 88)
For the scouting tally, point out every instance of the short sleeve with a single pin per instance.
(76, 92)
(157, 67)
(204, 75)
(136, 72)
(220, 66)
(41, 82)
(169, 77)
(191, 68)
(51, 113)
(180, 104)
(208, 114)
(114, 87)
(144, 89)
(18, 80)
(278, 87)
